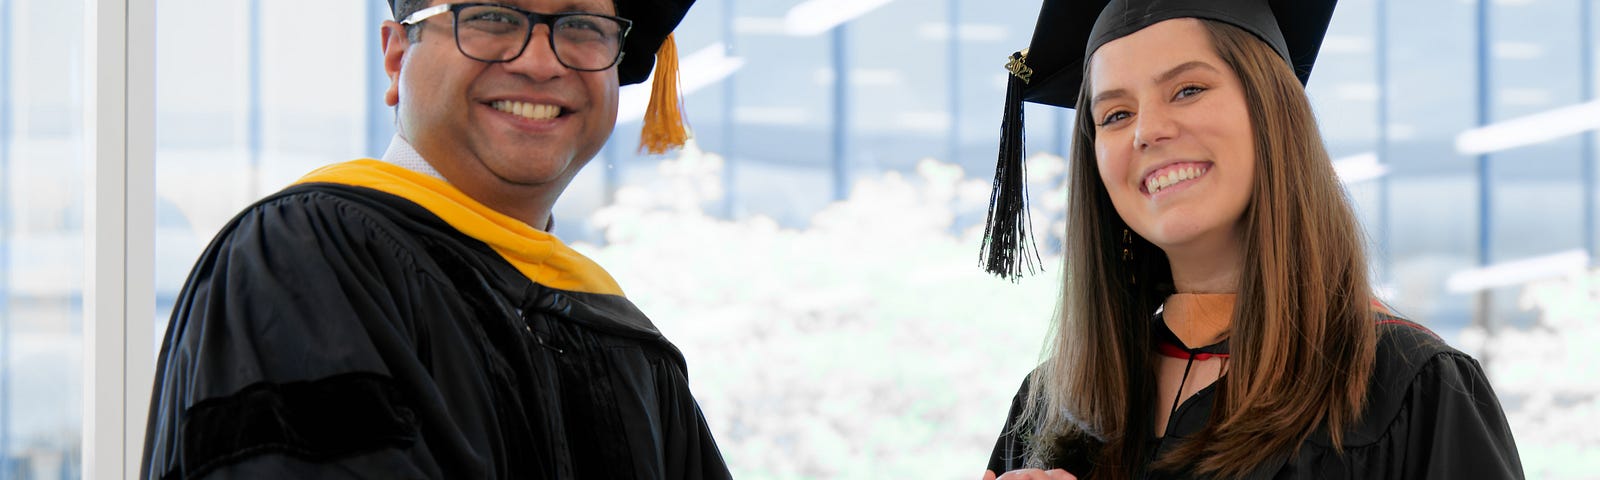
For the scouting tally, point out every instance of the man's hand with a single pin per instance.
(1031, 474)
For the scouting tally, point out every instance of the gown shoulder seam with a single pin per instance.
(349, 202)
(1411, 384)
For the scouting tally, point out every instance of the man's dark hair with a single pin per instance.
(403, 9)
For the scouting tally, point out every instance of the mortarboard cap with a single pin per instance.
(650, 45)
(1050, 71)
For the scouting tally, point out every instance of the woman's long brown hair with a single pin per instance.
(1302, 338)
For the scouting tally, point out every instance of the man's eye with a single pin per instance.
(493, 22)
(492, 17)
(580, 24)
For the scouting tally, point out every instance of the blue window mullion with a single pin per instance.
(253, 110)
(729, 197)
(841, 114)
(1586, 152)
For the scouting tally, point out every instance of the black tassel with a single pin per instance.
(1007, 245)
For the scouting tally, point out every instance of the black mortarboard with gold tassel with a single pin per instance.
(649, 44)
(1050, 71)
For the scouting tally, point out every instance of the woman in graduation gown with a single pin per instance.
(1217, 320)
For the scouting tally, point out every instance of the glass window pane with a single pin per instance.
(988, 33)
(898, 57)
(784, 114)
(1535, 60)
(1431, 100)
(203, 164)
(42, 165)
(238, 117)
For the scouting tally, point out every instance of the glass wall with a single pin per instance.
(42, 166)
(1533, 64)
(238, 115)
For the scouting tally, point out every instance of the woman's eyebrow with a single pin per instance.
(1106, 95)
(1178, 70)
(1165, 77)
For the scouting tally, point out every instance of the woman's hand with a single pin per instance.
(1030, 474)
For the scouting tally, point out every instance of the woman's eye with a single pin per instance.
(1189, 91)
(1113, 117)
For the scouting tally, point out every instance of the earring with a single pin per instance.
(1127, 245)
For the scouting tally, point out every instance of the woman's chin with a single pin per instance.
(1191, 238)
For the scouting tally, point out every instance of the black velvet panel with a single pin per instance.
(318, 420)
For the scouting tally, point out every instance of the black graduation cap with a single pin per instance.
(650, 46)
(1050, 71)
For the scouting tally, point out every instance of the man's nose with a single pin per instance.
(538, 60)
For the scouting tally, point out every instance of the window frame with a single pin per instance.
(119, 110)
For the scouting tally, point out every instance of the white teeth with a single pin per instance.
(527, 110)
(1173, 177)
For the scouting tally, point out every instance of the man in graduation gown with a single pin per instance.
(410, 317)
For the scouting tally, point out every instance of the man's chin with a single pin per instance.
(533, 169)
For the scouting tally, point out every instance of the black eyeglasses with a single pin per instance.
(494, 33)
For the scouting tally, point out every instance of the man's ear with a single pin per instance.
(395, 42)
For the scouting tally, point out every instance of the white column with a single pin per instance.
(140, 207)
(119, 233)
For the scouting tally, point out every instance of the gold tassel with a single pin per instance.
(664, 127)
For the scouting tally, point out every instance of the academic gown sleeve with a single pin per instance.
(1456, 428)
(1430, 414)
(689, 450)
(284, 348)
(1010, 450)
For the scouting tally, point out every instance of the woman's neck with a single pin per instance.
(1198, 319)
(1205, 273)
(1209, 265)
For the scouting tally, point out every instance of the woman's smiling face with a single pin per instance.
(1173, 140)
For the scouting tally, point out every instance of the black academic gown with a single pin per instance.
(335, 331)
(1430, 415)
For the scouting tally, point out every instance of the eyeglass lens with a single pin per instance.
(496, 34)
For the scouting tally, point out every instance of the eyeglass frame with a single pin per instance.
(534, 19)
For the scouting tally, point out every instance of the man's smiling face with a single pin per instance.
(500, 131)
